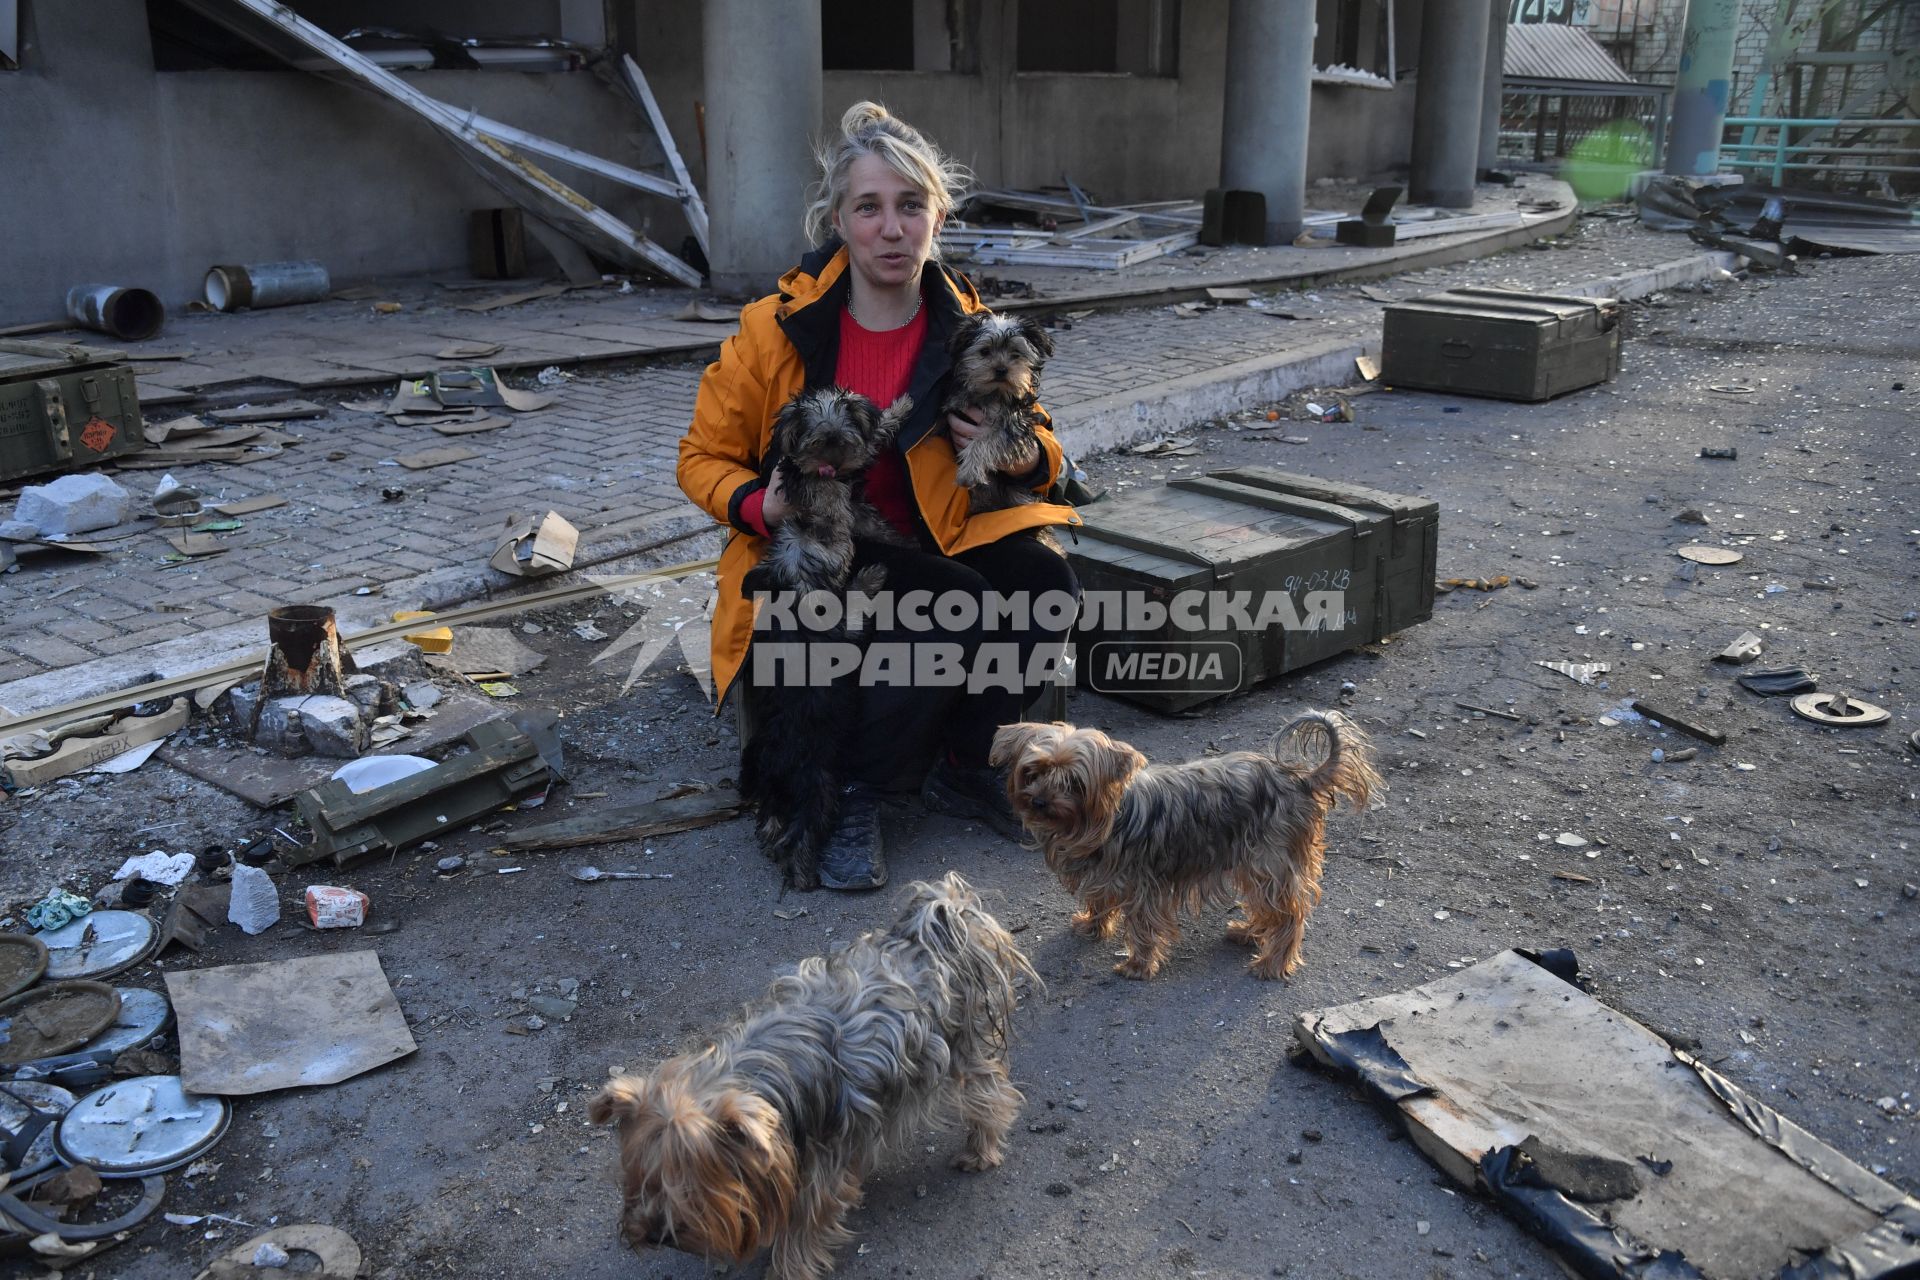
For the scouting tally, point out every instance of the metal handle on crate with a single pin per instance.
(55, 407)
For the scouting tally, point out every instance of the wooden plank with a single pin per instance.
(631, 821)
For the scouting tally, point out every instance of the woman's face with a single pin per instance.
(887, 222)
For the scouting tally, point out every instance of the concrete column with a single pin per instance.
(763, 95)
(1490, 94)
(1446, 103)
(1701, 90)
(1269, 95)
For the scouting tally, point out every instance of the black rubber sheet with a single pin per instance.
(1625, 1155)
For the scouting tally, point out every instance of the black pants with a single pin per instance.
(898, 729)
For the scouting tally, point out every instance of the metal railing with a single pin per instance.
(1777, 156)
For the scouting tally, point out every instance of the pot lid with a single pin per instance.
(100, 943)
(20, 1102)
(132, 1128)
(23, 958)
(50, 1020)
(143, 1015)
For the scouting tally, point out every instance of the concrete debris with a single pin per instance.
(74, 504)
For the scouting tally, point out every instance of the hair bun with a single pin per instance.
(861, 115)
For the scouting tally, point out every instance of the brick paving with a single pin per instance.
(603, 456)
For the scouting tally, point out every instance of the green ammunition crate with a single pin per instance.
(1265, 540)
(1500, 343)
(64, 408)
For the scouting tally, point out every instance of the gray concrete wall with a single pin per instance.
(148, 178)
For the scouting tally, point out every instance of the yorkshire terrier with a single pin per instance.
(825, 440)
(996, 371)
(764, 1137)
(1140, 844)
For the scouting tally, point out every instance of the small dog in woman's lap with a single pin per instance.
(764, 1137)
(1141, 844)
(997, 361)
(824, 440)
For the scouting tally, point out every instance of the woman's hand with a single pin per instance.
(774, 507)
(964, 426)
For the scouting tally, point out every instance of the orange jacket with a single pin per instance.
(788, 342)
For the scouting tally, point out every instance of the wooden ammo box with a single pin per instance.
(1285, 570)
(1500, 343)
(64, 408)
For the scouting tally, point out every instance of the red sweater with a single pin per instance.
(878, 366)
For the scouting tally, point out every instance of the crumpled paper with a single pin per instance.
(158, 866)
(57, 910)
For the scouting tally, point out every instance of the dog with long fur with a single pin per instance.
(1140, 844)
(997, 361)
(764, 1137)
(825, 440)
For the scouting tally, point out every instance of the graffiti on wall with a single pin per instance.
(1561, 11)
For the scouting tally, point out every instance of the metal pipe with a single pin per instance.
(128, 314)
(266, 284)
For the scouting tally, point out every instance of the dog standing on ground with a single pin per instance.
(1140, 844)
(825, 440)
(996, 372)
(764, 1137)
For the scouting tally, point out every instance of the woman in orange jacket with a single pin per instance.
(871, 311)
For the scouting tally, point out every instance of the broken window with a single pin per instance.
(1353, 43)
(866, 35)
(1125, 37)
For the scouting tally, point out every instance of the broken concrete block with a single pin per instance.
(282, 728)
(423, 695)
(74, 504)
(18, 530)
(366, 692)
(239, 703)
(333, 726)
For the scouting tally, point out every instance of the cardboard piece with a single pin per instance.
(535, 546)
(482, 386)
(435, 457)
(270, 412)
(702, 312)
(467, 426)
(253, 1028)
(120, 735)
(514, 299)
(247, 506)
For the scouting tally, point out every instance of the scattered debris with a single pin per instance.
(1779, 681)
(1672, 720)
(159, 867)
(333, 907)
(254, 904)
(73, 504)
(1662, 756)
(1584, 672)
(632, 822)
(1744, 648)
(98, 741)
(1476, 584)
(587, 875)
(1701, 553)
(535, 546)
(1488, 1057)
(1487, 711)
(1838, 709)
(1727, 453)
(279, 411)
(1692, 515)
(427, 459)
(253, 1028)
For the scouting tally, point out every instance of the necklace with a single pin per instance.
(917, 297)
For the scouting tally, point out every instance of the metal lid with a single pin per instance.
(20, 1101)
(143, 1015)
(102, 943)
(132, 1128)
(23, 958)
(50, 1020)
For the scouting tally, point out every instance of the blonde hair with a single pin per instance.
(869, 129)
